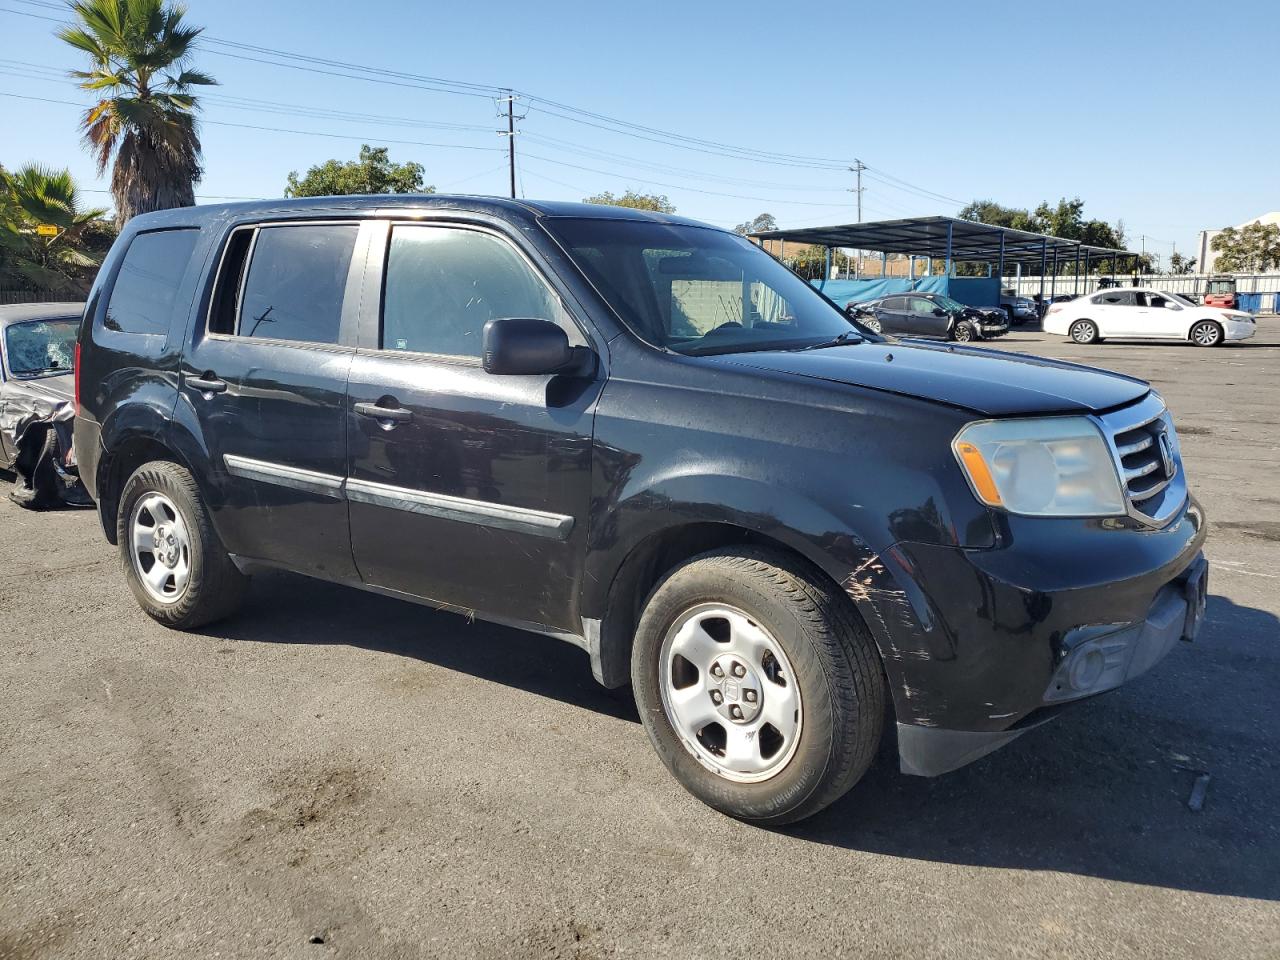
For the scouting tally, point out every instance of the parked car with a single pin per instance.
(927, 315)
(1141, 313)
(648, 438)
(37, 345)
(1019, 309)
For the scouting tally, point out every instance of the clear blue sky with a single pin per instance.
(1162, 115)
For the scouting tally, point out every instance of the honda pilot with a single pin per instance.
(646, 437)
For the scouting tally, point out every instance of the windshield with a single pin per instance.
(1221, 286)
(1177, 297)
(40, 346)
(698, 291)
(946, 303)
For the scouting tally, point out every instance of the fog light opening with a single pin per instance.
(1087, 669)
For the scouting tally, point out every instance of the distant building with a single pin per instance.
(1205, 263)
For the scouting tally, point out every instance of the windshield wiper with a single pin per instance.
(849, 336)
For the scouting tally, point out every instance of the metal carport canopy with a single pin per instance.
(943, 238)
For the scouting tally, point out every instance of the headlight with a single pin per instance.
(1049, 467)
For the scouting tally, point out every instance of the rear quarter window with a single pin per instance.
(142, 298)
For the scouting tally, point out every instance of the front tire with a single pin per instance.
(759, 687)
(1083, 332)
(1206, 333)
(964, 332)
(172, 558)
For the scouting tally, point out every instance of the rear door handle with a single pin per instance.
(209, 383)
(398, 414)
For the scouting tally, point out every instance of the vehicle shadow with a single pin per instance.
(1100, 791)
(1103, 789)
(287, 608)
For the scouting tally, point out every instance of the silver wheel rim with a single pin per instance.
(1205, 334)
(729, 692)
(873, 326)
(160, 548)
(963, 333)
(1080, 333)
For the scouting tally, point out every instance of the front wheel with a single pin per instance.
(872, 324)
(759, 688)
(1084, 331)
(172, 558)
(963, 332)
(1206, 333)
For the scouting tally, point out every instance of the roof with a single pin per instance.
(370, 203)
(927, 236)
(22, 312)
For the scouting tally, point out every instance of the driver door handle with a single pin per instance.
(398, 414)
(209, 383)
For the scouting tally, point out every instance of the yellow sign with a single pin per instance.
(46, 230)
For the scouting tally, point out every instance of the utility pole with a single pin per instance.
(857, 168)
(510, 134)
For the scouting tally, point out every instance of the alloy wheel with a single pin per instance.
(1206, 334)
(730, 693)
(160, 547)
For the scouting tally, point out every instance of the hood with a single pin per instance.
(56, 387)
(989, 382)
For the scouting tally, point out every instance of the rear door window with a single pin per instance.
(1117, 299)
(296, 281)
(142, 298)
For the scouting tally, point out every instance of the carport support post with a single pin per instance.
(1084, 287)
(1000, 269)
(1044, 253)
(827, 276)
(1075, 283)
(884, 264)
(950, 227)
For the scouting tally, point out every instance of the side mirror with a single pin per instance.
(517, 346)
(939, 312)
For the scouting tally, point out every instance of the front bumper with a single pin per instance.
(992, 330)
(1239, 329)
(980, 645)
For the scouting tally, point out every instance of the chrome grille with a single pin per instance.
(1145, 447)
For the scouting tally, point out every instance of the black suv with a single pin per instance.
(928, 315)
(646, 437)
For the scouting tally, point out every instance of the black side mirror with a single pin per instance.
(517, 346)
(939, 312)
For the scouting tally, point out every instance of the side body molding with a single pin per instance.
(483, 513)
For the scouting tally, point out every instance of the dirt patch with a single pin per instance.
(565, 940)
(1193, 430)
(1268, 530)
(36, 941)
(309, 798)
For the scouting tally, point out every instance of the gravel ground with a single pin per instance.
(396, 782)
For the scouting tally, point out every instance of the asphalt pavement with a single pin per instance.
(336, 774)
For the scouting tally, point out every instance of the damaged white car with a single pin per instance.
(37, 403)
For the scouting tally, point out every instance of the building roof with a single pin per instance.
(938, 237)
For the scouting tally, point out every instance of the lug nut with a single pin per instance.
(716, 671)
(739, 670)
(736, 712)
(751, 696)
(716, 696)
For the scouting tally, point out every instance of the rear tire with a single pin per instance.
(810, 684)
(1083, 332)
(1207, 333)
(175, 565)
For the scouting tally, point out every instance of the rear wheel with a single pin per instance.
(1206, 333)
(759, 688)
(176, 567)
(1084, 331)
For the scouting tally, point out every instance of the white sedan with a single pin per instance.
(1140, 313)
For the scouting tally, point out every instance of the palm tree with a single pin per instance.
(34, 196)
(146, 117)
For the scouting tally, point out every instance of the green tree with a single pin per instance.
(1180, 264)
(1253, 248)
(637, 201)
(988, 211)
(145, 119)
(373, 172)
(759, 224)
(63, 263)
